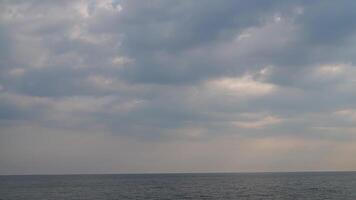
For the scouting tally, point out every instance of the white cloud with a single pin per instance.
(120, 61)
(244, 86)
(258, 123)
(17, 72)
(330, 70)
(349, 114)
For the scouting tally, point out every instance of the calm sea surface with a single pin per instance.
(311, 185)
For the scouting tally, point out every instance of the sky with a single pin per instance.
(155, 86)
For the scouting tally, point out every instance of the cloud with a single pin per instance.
(188, 72)
(244, 86)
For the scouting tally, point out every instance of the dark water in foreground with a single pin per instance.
(311, 185)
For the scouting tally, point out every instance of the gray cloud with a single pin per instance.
(156, 72)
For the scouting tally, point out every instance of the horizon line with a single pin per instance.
(163, 173)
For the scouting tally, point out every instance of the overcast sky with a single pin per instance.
(115, 86)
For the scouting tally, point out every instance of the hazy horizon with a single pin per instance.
(157, 86)
(183, 173)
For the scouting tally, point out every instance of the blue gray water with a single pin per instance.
(311, 185)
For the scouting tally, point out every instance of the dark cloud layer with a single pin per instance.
(179, 70)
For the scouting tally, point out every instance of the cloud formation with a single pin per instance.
(184, 72)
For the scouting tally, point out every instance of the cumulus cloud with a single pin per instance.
(184, 72)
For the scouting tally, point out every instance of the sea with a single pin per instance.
(249, 186)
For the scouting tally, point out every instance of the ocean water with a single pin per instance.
(251, 186)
